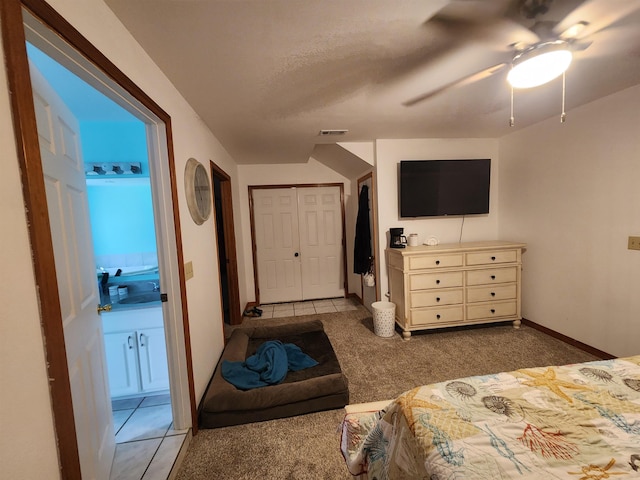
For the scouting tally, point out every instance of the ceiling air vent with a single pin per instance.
(324, 133)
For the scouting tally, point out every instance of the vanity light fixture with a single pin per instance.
(112, 168)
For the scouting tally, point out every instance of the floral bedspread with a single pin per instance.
(579, 422)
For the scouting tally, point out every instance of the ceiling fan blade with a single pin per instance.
(596, 15)
(474, 10)
(474, 77)
(484, 21)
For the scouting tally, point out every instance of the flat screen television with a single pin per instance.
(434, 188)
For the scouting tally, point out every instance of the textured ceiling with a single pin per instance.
(267, 75)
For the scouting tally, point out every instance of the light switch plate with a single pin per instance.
(634, 243)
(188, 270)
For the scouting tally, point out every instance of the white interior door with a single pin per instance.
(298, 235)
(65, 185)
(275, 216)
(320, 227)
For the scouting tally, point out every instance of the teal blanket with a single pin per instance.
(268, 366)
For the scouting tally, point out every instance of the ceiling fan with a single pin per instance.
(542, 29)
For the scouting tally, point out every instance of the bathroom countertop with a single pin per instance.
(139, 292)
(106, 299)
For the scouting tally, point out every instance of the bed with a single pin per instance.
(578, 422)
(322, 387)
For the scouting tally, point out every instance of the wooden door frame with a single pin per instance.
(254, 252)
(374, 231)
(28, 152)
(235, 310)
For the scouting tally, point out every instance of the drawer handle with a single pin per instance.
(493, 310)
(437, 262)
(493, 294)
(437, 299)
(493, 277)
(493, 259)
(438, 316)
(437, 282)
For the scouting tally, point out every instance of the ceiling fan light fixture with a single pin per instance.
(539, 64)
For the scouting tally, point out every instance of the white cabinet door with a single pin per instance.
(122, 363)
(153, 359)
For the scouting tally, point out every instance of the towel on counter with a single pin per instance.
(268, 366)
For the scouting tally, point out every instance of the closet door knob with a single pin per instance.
(296, 254)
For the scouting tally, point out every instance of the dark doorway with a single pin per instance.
(227, 260)
(222, 250)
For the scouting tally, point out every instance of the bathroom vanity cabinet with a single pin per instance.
(136, 351)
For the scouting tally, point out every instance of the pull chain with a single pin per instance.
(563, 115)
(512, 120)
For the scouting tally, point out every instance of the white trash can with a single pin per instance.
(384, 318)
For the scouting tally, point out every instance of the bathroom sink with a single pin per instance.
(146, 297)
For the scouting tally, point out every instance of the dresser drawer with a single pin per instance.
(492, 275)
(491, 292)
(430, 316)
(435, 280)
(492, 310)
(432, 298)
(435, 261)
(489, 258)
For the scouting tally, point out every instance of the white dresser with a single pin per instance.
(455, 284)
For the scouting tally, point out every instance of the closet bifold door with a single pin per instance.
(275, 215)
(320, 227)
(298, 243)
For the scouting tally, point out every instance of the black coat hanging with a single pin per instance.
(362, 247)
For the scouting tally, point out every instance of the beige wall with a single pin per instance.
(571, 192)
(283, 174)
(447, 230)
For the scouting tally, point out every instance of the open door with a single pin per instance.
(67, 204)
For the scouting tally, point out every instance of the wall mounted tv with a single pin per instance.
(433, 188)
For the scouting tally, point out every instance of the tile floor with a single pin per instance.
(146, 443)
(277, 310)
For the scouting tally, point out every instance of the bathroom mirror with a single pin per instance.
(198, 191)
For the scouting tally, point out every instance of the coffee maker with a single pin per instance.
(397, 238)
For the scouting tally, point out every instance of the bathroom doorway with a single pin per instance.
(129, 333)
